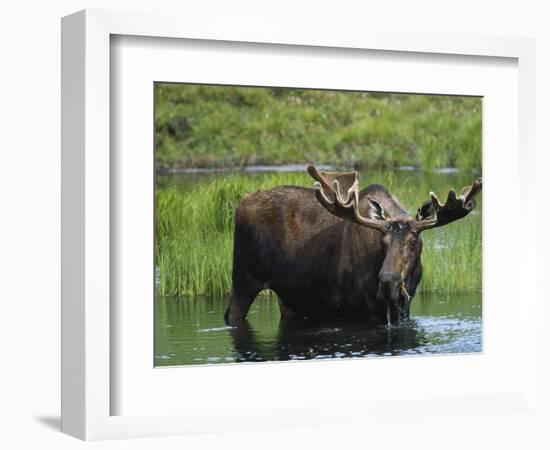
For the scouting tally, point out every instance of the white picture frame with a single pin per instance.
(88, 328)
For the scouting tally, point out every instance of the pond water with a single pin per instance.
(191, 330)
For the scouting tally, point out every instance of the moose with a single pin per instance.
(334, 252)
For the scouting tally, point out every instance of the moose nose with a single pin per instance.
(388, 286)
(389, 277)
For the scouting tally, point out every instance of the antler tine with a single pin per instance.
(472, 192)
(434, 214)
(339, 194)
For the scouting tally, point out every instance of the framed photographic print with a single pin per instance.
(297, 229)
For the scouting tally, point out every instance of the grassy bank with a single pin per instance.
(195, 233)
(213, 126)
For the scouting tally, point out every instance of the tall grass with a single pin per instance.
(194, 233)
(213, 126)
(453, 261)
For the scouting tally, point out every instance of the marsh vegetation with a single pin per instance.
(195, 225)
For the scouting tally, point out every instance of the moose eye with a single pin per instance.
(412, 243)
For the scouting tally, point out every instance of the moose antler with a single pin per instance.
(434, 214)
(338, 192)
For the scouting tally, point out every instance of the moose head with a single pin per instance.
(399, 232)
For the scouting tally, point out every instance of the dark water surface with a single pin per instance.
(192, 331)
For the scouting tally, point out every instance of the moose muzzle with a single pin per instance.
(388, 286)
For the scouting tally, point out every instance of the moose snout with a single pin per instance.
(388, 286)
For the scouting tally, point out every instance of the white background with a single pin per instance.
(30, 141)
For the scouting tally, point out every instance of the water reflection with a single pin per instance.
(191, 331)
(302, 341)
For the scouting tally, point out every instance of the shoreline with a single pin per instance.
(259, 168)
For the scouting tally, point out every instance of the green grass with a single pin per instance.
(220, 126)
(453, 264)
(194, 231)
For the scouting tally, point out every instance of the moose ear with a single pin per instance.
(376, 210)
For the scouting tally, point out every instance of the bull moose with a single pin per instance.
(334, 251)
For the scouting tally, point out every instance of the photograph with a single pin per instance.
(297, 224)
